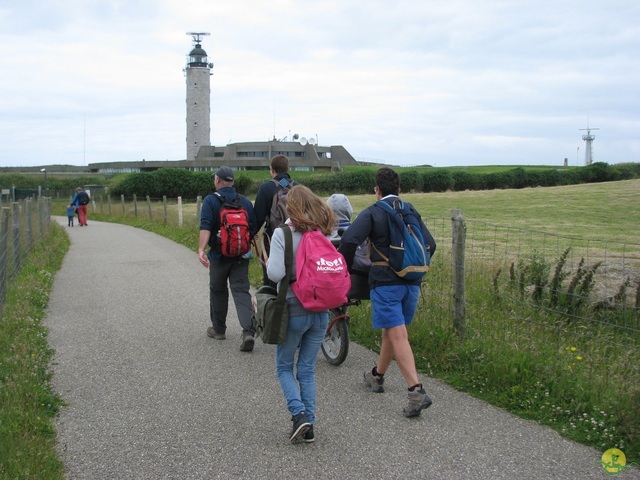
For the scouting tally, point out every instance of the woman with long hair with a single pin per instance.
(306, 329)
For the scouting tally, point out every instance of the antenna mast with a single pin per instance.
(588, 138)
(197, 37)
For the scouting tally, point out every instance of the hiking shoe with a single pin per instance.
(300, 426)
(247, 343)
(213, 334)
(418, 401)
(309, 437)
(374, 382)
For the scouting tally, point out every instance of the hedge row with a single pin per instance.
(173, 183)
(177, 182)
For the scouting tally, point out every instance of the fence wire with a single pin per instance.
(24, 224)
(587, 287)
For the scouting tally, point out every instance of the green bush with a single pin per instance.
(465, 181)
(437, 181)
(410, 180)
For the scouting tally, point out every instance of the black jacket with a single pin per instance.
(373, 223)
(264, 200)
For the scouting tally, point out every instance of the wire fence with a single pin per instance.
(23, 224)
(565, 308)
(590, 287)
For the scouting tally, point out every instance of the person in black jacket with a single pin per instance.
(279, 170)
(394, 300)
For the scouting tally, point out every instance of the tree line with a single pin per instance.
(174, 182)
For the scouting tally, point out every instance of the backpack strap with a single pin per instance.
(289, 183)
(223, 199)
(288, 262)
(390, 210)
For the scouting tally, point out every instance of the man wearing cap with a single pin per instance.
(222, 269)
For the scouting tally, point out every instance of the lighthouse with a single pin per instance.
(198, 73)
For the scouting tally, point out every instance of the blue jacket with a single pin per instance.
(373, 223)
(210, 218)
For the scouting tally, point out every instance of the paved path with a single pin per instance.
(150, 396)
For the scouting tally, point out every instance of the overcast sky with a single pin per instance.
(456, 82)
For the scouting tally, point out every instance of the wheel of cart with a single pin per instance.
(335, 345)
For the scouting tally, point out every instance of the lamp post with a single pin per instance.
(46, 187)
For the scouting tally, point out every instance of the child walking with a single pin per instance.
(306, 328)
(70, 214)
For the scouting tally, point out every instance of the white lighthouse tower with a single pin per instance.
(197, 73)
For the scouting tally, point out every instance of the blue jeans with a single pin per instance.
(306, 332)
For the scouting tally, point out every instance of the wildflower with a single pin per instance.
(579, 358)
(573, 349)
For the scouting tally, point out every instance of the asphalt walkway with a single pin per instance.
(150, 396)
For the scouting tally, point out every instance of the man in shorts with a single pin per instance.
(394, 300)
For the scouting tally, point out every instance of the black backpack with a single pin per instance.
(83, 198)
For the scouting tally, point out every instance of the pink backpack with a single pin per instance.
(322, 279)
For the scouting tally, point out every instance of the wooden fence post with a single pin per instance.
(47, 213)
(28, 229)
(122, 201)
(180, 211)
(459, 234)
(198, 209)
(135, 205)
(164, 204)
(4, 234)
(149, 207)
(40, 209)
(109, 203)
(16, 248)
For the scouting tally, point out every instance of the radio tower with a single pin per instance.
(588, 138)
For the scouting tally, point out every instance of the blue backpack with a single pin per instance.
(409, 256)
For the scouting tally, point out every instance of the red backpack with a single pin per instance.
(322, 279)
(235, 239)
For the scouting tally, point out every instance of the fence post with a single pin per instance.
(47, 214)
(16, 248)
(135, 205)
(109, 203)
(4, 233)
(198, 209)
(180, 211)
(149, 207)
(28, 229)
(122, 201)
(39, 207)
(459, 234)
(164, 204)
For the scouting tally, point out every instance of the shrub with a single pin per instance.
(410, 180)
(437, 181)
(465, 181)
